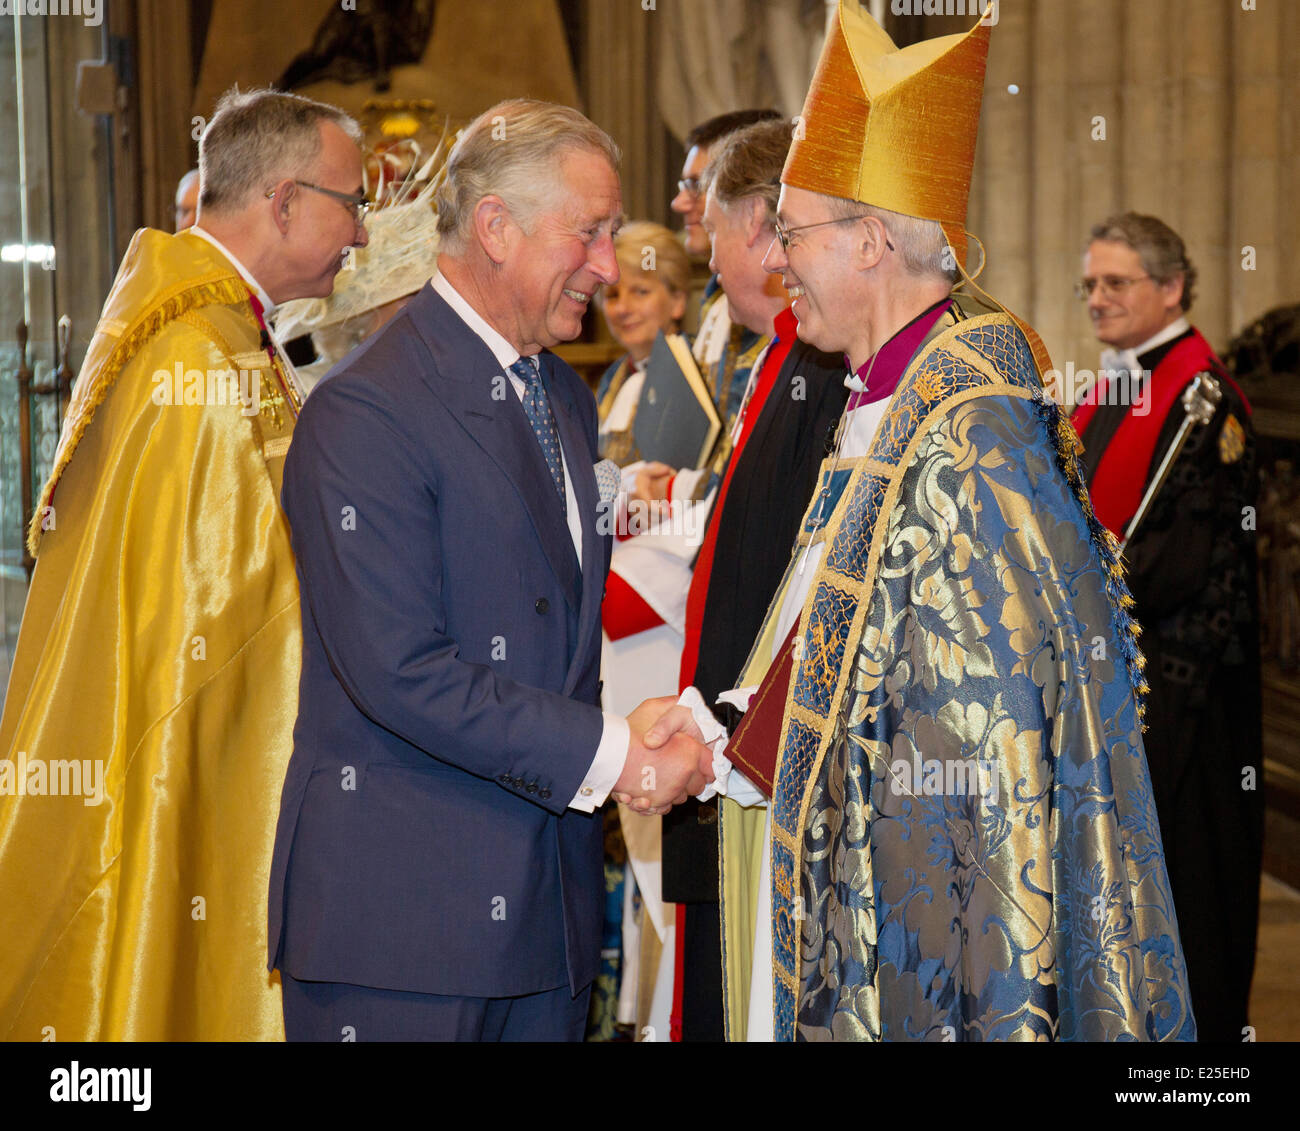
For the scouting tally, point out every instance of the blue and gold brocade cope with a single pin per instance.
(965, 845)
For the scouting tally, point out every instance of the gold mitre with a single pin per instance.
(893, 128)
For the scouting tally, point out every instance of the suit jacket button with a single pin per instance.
(504, 779)
(542, 606)
(544, 794)
(531, 787)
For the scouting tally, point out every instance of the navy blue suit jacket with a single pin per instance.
(451, 653)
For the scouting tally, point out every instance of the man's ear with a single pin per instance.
(755, 218)
(870, 241)
(1172, 290)
(280, 202)
(493, 227)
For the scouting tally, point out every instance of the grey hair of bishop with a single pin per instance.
(257, 138)
(921, 243)
(513, 151)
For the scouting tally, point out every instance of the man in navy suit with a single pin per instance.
(437, 870)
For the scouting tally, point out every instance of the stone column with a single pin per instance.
(165, 92)
(1203, 186)
(1044, 80)
(1257, 194)
(1004, 166)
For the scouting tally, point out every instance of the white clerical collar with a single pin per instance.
(503, 351)
(1168, 334)
(1113, 360)
(268, 307)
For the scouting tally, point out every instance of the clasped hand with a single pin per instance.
(651, 486)
(667, 761)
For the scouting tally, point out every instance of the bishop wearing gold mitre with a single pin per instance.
(150, 710)
(939, 823)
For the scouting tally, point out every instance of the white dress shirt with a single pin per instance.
(616, 736)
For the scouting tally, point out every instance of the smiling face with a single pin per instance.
(555, 262)
(322, 229)
(638, 306)
(690, 205)
(739, 233)
(817, 271)
(1129, 312)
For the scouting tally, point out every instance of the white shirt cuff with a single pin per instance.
(629, 474)
(727, 780)
(606, 767)
(685, 482)
(738, 697)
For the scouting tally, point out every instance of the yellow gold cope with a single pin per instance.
(893, 128)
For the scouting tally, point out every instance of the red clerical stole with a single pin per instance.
(786, 326)
(1121, 477)
(258, 310)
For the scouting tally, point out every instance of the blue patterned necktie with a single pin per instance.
(538, 409)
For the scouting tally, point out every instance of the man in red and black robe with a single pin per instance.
(1191, 567)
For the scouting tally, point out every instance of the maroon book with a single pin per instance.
(753, 746)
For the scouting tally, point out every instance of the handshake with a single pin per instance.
(667, 760)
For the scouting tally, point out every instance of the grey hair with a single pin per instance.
(257, 138)
(921, 243)
(512, 150)
(1159, 247)
(747, 165)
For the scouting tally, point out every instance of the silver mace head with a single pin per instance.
(1201, 398)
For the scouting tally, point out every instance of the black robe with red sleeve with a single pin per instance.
(1191, 568)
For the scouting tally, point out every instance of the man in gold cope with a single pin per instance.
(149, 716)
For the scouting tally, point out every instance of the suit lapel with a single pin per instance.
(479, 395)
(577, 454)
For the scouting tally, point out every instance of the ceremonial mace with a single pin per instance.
(1200, 403)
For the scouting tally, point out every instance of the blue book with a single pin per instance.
(676, 422)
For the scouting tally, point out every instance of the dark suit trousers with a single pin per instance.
(336, 1011)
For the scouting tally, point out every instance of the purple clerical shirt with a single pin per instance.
(881, 372)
